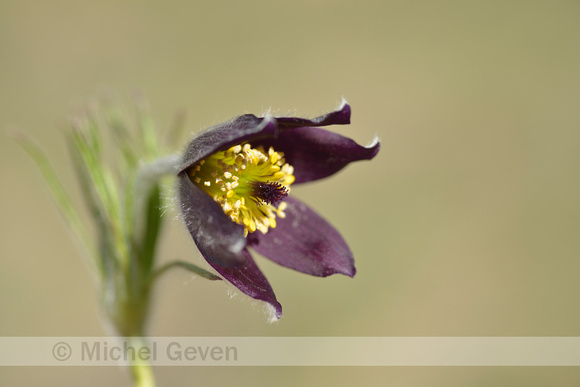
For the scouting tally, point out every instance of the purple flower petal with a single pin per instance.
(250, 280)
(220, 240)
(317, 153)
(227, 134)
(304, 241)
(341, 116)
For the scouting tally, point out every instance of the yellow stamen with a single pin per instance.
(250, 184)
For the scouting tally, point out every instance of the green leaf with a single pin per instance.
(105, 258)
(56, 188)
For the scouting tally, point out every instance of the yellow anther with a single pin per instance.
(250, 184)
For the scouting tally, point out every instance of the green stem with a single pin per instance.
(141, 370)
(184, 265)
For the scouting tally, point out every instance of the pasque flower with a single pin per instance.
(234, 185)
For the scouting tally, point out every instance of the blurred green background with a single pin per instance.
(467, 223)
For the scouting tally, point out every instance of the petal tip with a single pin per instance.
(274, 312)
(343, 113)
(351, 272)
(348, 270)
(374, 146)
(268, 124)
(267, 118)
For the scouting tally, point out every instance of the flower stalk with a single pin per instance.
(141, 370)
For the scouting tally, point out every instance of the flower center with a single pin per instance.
(249, 183)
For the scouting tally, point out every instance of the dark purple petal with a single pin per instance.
(243, 128)
(317, 153)
(341, 116)
(250, 280)
(304, 241)
(220, 240)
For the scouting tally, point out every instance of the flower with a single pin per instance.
(234, 184)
